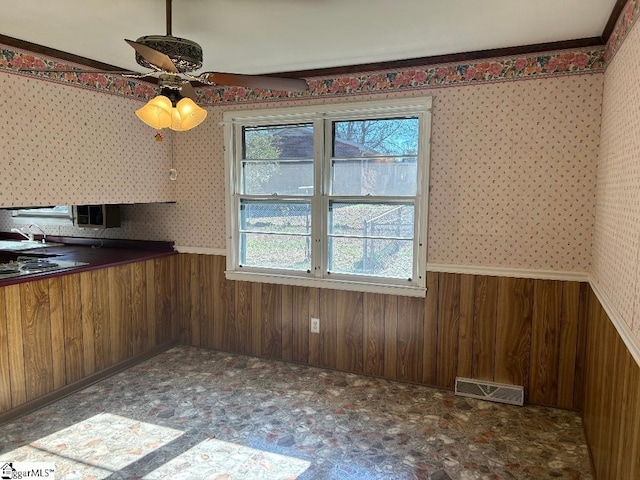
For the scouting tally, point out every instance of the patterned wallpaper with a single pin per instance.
(61, 144)
(616, 249)
(512, 164)
(512, 171)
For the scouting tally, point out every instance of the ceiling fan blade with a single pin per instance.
(254, 81)
(154, 57)
(188, 91)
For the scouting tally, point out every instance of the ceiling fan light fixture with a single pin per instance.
(171, 110)
(175, 56)
(156, 113)
(187, 115)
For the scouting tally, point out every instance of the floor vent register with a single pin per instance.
(494, 392)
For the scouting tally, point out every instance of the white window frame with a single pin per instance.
(321, 116)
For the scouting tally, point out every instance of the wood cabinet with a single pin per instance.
(97, 216)
(60, 330)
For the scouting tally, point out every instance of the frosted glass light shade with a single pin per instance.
(187, 115)
(159, 113)
(156, 113)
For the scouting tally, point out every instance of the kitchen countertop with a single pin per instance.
(96, 253)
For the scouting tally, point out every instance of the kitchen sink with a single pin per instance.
(18, 245)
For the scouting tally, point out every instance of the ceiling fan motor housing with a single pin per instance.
(185, 54)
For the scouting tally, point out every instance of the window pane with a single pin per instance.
(376, 137)
(283, 178)
(278, 142)
(275, 234)
(366, 256)
(56, 211)
(291, 252)
(275, 217)
(388, 176)
(371, 220)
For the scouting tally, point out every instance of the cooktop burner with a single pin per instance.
(36, 264)
(6, 269)
(32, 265)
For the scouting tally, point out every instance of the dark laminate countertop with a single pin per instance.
(97, 253)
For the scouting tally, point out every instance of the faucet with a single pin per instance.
(44, 235)
(28, 236)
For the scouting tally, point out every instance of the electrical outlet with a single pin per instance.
(315, 325)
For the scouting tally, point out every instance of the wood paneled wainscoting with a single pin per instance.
(510, 330)
(611, 411)
(59, 332)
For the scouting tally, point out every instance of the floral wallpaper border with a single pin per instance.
(13, 60)
(626, 20)
(442, 75)
(485, 71)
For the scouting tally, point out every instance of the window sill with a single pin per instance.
(335, 284)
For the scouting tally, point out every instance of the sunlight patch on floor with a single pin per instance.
(96, 447)
(106, 443)
(213, 459)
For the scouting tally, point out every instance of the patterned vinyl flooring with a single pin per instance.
(191, 413)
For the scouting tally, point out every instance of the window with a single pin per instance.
(330, 196)
(56, 215)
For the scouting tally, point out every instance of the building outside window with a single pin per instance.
(330, 196)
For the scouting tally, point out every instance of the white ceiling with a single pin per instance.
(270, 36)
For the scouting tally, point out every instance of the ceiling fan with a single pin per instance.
(175, 58)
